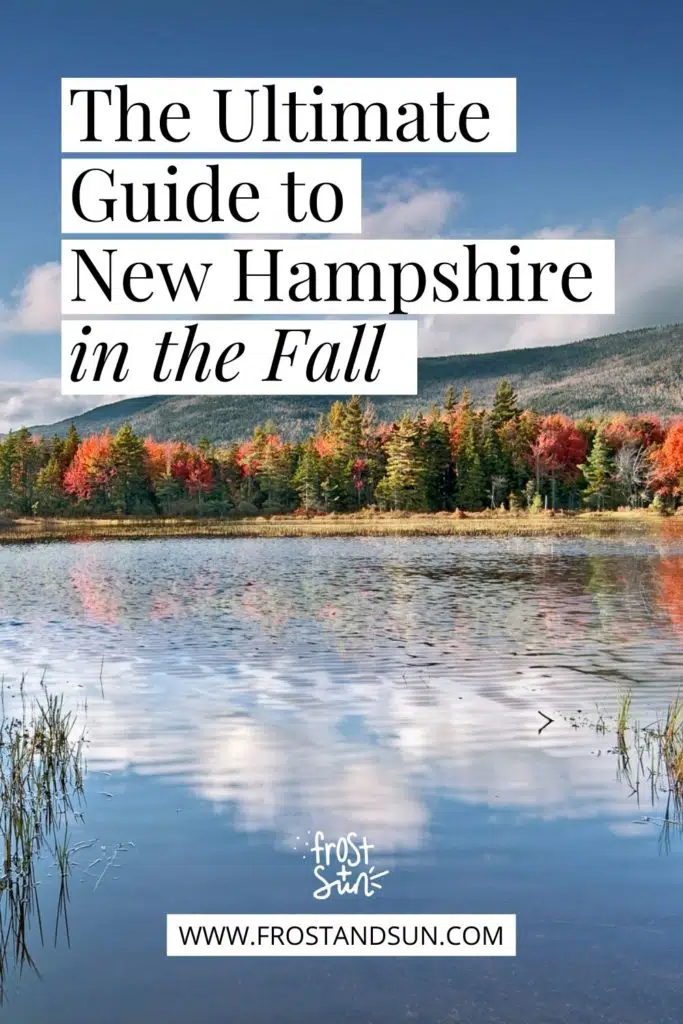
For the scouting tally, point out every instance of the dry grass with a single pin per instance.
(363, 524)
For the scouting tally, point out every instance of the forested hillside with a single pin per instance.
(636, 371)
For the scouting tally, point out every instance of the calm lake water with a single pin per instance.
(242, 694)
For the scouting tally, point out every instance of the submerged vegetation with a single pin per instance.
(41, 781)
(453, 457)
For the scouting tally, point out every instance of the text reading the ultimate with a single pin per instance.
(292, 115)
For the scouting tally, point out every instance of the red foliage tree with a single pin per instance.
(558, 451)
(667, 462)
(90, 470)
(191, 467)
(200, 477)
(639, 431)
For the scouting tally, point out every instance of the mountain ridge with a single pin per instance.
(633, 371)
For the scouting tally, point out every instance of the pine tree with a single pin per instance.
(449, 402)
(470, 491)
(599, 472)
(20, 463)
(129, 486)
(168, 490)
(438, 470)
(68, 448)
(465, 407)
(330, 493)
(517, 438)
(307, 476)
(345, 459)
(496, 464)
(404, 486)
(505, 406)
(49, 494)
(275, 475)
(351, 431)
(335, 418)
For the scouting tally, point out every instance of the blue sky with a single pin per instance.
(600, 146)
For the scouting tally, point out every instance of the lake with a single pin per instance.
(240, 695)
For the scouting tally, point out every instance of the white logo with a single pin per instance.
(343, 867)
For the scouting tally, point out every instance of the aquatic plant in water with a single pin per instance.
(652, 759)
(41, 781)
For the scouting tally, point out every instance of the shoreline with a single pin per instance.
(438, 524)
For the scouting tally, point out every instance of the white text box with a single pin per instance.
(204, 195)
(359, 278)
(341, 935)
(368, 358)
(289, 115)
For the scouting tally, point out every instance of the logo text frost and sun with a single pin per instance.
(343, 867)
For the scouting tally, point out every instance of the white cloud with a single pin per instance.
(649, 256)
(28, 402)
(34, 306)
(255, 746)
(408, 210)
(397, 209)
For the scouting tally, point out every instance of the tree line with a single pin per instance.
(453, 456)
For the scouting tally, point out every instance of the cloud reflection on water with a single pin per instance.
(348, 686)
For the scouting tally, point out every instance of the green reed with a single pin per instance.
(41, 778)
(652, 758)
(623, 713)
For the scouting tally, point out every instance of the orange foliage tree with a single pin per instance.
(90, 471)
(667, 462)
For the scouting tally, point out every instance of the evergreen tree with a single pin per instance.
(351, 431)
(438, 470)
(275, 476)
(343, 438)
(351, 452)
(465, 438)
(470, 491)
(50, 498)
(329, 490)
(505, 406)
(335, 419)
(337, 471)
(465, 407)
(404, 486)
(307, 477)
(70, 446)
(20, 462)
(517, 437)
(599, 472)
(129, 487)
(169, 492)
(496, 464)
